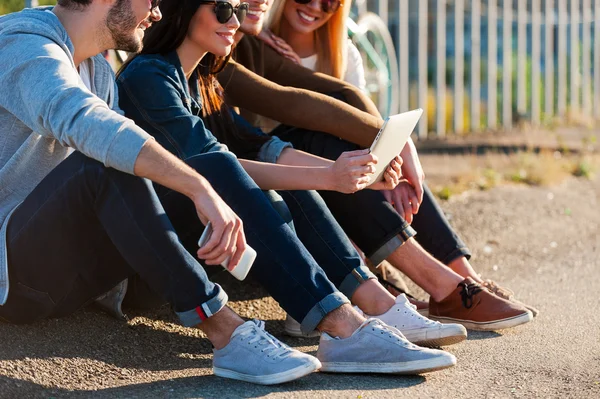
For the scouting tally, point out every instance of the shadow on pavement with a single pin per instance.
(479, 335)
(215, 387)
(150, 344)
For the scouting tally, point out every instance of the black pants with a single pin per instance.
(368, 219)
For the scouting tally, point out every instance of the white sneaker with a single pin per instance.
(254, 355)
(417, 328)
(292, 328)
(377, 348)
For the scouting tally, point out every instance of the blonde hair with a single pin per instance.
(331, 39)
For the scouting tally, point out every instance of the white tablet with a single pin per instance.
(391, 140)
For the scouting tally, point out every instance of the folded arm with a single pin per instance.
(297, 107)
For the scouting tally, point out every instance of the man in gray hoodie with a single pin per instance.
(79, 212)
(76, 216)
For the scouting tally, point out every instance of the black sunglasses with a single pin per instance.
(224, 10)
(328, 6)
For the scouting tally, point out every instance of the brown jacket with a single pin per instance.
(261, 82)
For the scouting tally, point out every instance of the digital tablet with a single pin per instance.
(391, 140)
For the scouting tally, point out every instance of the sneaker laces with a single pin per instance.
(467, 293)
(272, 346)
(392, 332)
(419, 316)
(494, 288)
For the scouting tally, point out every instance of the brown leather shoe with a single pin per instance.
(478, 309)
(507, 294)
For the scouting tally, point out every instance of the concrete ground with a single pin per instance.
(541, 242)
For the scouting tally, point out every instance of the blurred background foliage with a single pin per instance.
(8, 6)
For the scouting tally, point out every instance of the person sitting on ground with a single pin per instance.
(299, 97)
(167, 56)
(75, 178)
(314, 34)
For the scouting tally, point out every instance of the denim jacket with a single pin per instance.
(154, 92)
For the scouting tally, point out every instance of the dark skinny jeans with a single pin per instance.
(86, 227)
(368, 219)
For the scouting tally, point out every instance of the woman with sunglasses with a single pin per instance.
(166, 90)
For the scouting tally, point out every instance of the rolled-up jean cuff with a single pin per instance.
(272, 149)
(327, 305)
(354, 279)
(391, 245)
(455, 254)
(203, 311)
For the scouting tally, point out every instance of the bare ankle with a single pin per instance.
(341, 322)
(372, 298)
(462, 267)
(220, 326)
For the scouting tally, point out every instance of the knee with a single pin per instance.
(218, 165)
(280, 206)
(220, 160)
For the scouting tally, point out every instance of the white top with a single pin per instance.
(354, 74)
(355, 71)
(86, 75)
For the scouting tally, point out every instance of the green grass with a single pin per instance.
(8, 6)
(528, 168)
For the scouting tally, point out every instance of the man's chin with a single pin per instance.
(251, 30)
(132, 46)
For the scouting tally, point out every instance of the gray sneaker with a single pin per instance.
(254, 355)
(378, 348)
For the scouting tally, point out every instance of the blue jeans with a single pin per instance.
(87, 227)
(368, 219)
(320, 233)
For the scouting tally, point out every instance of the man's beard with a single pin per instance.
(122, 24)
(253, 31)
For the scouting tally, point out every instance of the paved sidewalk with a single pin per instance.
(541, 242)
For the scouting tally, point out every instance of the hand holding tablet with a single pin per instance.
(391, 139)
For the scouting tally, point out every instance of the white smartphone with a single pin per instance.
(241, 270)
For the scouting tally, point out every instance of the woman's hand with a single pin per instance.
(279, 45)
(392, 176)
(351, 171)
(404, 199)
(227, 239)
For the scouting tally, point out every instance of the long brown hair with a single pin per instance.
(331, 39)
(164, 37)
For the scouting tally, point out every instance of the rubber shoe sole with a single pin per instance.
(297, 333)
(401, 368)
(488, 325)
(534, 311)
(445, 336)
(272, 379)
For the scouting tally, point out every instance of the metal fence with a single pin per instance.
(485, 64)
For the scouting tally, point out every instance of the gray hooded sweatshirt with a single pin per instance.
(46, 112)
